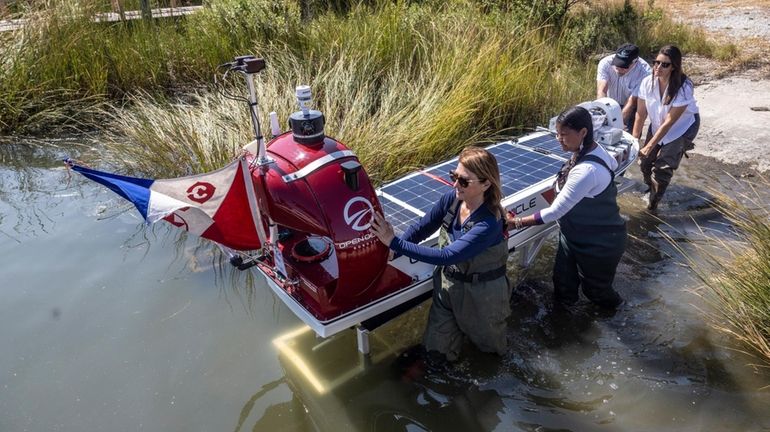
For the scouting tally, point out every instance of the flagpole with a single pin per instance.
(251, 194)
(254, 111)
(249, 66)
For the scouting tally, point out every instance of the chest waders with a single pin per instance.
(471, 298)
(592, 239)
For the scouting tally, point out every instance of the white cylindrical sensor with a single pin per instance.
(275, 128)
(304, 98)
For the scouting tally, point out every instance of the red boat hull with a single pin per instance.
(334, 264)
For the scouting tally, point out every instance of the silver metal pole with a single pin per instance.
(254, 111)
(362, 336)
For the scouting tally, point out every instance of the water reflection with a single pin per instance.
(386, 392)
(654, 364)
(23, 182)
(130, 311)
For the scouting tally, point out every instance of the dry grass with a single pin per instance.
(735, 273)
(431, 88)
(388, 43)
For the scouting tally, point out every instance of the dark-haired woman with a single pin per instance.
(667, 97)
(471, 293)
(592, 234)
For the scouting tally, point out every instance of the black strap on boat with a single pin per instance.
(454, 273)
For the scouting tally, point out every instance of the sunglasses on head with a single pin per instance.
(662, 64)
(462, 181)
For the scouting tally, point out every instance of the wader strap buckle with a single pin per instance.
(454, 273)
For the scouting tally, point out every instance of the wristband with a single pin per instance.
(517, 223)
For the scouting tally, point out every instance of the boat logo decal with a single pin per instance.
(355, 241)
(177, 220)
(201, 192)
(549, 195)
(356, 214)
(525, 206)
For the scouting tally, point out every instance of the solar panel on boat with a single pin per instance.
(399, 216)
(419, 191)
(546, 141)
(521, 168)
(406, 200)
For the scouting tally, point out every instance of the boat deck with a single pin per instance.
(528, 167)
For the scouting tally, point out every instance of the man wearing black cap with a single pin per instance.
(618, 77)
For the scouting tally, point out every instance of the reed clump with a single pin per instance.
(418, 90)
(61, 55)
(62, 65)
(735, 272)
(426, 83)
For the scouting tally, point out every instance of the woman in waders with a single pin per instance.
(667, 97)
(471, 293)
(592, 235)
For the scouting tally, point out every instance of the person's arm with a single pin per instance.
(628, 109)
(641, 117)
(671, 117)
(603, 70)
(483, 234)
(602, 86)
(581, 179)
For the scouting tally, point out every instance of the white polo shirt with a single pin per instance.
(621, 88)
(656, 111)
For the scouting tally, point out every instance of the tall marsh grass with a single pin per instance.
(735, 273)
(418, 90)
(62, 55)
(62, 64)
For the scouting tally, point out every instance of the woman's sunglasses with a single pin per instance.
(462, 181)
(664, 65)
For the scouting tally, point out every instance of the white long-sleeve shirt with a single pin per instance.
(586, 179)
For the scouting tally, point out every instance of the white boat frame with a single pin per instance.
(527, 240)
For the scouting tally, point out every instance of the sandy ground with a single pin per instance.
(734, 100)
(735, 119)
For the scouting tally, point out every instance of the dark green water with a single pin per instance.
(106, 324)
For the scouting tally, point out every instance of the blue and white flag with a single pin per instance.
(219, 205)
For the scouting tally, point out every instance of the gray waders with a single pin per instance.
(470, 298)
(659, 166)
(592, 239)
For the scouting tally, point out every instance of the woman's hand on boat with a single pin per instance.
(645, 151)
(382, 229)
(510, 220)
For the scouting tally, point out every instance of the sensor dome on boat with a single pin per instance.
(605, 112)
(307, 125)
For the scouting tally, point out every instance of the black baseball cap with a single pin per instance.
(625, 55)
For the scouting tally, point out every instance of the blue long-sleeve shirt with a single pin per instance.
(487, 230)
